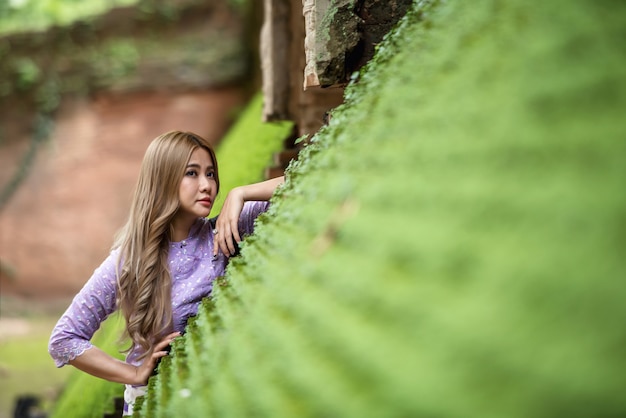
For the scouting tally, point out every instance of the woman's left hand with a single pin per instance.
(226, 232)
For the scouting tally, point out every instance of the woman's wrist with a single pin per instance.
(240, 193)
(134, 376)
(258, 191)
(100, 364)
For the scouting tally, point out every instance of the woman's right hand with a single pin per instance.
(144, 371)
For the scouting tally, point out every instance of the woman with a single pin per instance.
(162, 264)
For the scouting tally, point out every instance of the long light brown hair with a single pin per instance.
(144, 281)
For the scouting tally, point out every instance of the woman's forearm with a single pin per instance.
(98, 363)
(261, 191)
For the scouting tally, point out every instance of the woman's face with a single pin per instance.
(198, 187)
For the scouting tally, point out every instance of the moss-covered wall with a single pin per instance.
(450, 246)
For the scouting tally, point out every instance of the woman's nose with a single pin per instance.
(205, 184)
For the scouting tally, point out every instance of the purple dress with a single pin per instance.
(192, 270)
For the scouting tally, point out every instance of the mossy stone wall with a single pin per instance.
(452, 245)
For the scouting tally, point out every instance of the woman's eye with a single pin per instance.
(191, 173)
(210, 174)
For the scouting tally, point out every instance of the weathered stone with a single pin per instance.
(283, 63)
(378, 18)
(341, 36)
(310, 24)
(339, 33)
(274, 55)
(332, 30)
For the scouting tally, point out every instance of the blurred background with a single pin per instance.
(85, 85)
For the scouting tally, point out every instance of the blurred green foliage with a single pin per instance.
(18, 16)
(51, 48)
(26, 366)
(246, 150)
(451, 245)
(29, 15)
(28, 73)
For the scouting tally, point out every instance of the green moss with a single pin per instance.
(451, 244)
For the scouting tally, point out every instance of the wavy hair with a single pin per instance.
(144, 280)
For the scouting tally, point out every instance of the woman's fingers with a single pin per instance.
(227, 224)
(169, 337)
(234, 227)
(225, 237)
(227, 244)
(162, 349)
(157, 355)
(218, 234)
(166, 341)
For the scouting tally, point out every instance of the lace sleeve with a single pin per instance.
(93, 304)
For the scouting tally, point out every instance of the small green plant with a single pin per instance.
(114, 60)
(27, 73)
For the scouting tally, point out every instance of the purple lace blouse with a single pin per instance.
(191, 267)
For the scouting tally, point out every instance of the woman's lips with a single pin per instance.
(205, 202)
